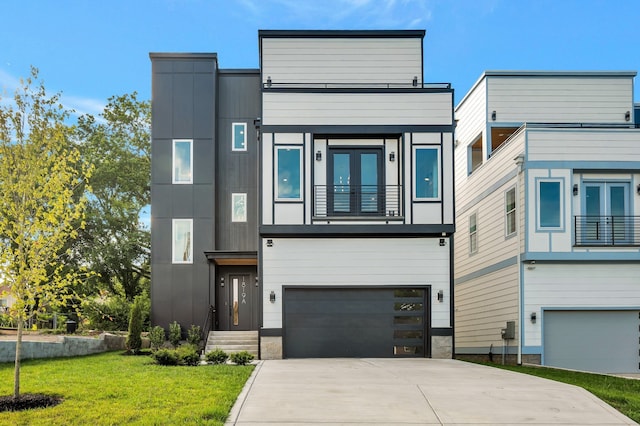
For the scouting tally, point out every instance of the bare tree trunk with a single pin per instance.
(16, 375)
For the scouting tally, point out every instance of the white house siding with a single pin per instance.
(470, 115)
(355, 262)
(413, 108)
(483, 306)
(569, 99)
(589, 285)
(583, 145)
(342, 60)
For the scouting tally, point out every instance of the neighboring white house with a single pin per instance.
(6, 300)
(356, 158)
(547, 172)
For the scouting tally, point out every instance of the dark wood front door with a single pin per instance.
(238, 300)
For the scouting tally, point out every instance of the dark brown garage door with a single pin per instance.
(355, 322)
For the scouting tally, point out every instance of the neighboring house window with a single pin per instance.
(549, 204)
(510, 210)
(475, 154)
(473, 233)
(499, 135)
(182, 250)
(238, 207)
(288, 174)
(427, 173)
(239, 136)
(183, 161)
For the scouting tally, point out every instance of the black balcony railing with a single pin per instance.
(607, 230)
(357, 201)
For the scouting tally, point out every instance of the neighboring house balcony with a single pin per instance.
(361, 202)
(607, 231)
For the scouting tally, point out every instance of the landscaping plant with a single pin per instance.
(216, 356)
(241, 358)
(156, 337)
(193, 335)
(134, 339)
(175, 333)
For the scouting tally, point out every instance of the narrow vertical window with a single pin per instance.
(182, 250)
(510, 211)
(183, 161)
(549, 204)
(239, 136)
(289, 171)
(238, 207)
(427, 173)
(473, 233)
(474, 154)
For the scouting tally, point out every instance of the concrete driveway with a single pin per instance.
(410, 392)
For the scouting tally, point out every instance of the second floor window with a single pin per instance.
(510, 210)
(288, 174)
(427, 173)
(182, 246)
(549, 204)
(182, 170)
(239, 136)
(473, 233)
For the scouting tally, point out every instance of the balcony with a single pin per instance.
(358, 202)
(607, 231)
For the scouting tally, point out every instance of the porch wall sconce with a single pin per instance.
(627, 116)
(440, 296)
(638, 189)
(575, 189)
(272, 297)
(493, 116)
(415, 81)
(221, 281)
(533, 317)
(392, 156)
(442, 242)
(269, 82)
(319, 156)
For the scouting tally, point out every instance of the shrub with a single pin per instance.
(175, 333)
(166, 357)
(193, 335)
(156, 337)
(134, 341)
(241, 358)
(188, 355)
(217, 356)
(111, 314)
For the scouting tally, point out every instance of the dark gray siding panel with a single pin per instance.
(162, 99)
(161, 196)
(161, 161)
(183, 101)
(203, 201)
(203, 170)
(182, 202)
(204, 105)
(161, 242)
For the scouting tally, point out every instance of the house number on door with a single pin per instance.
(244, 294)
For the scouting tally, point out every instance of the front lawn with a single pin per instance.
(112, 388)
(622, 394)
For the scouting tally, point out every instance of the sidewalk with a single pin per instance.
(410, 391)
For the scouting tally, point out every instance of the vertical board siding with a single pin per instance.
(583, 145)
(417, 108)
(355, 262)
(591, 285)
(342, 60)
(559, 99)
(483, 306)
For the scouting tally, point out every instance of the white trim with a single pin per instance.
(189, 249)
(300, 170)
(174, 176)
(233, 136)
(438, 173)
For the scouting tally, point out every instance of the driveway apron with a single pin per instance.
(410, 392)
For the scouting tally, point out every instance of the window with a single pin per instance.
(473, 233)
(355, 182)
(288, 170)
(239, 136)
(182, 230)
(475, 154)
(510, 210)
(549, 204)
(182, 161)
(238, 207)
(499, 135)
(427, 174)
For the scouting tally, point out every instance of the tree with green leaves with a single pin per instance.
(114, 243)
(43, 185)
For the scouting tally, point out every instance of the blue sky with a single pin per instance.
(90, 50)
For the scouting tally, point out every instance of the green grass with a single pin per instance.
(622, 394)
(114, 389)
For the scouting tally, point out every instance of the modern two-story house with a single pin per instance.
(310, 200)
(547, 254)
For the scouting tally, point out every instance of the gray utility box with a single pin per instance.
(509, 333)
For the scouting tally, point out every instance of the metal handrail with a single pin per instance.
(606, 230)
(358, 200)
(208, 323)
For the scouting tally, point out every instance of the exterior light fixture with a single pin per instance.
(272, 297)
(415, 81)
(319, 156)
(269, 81)
(440, 296)
(392, 156)
(627, 116)
(638, 189)
(221, 281)
(533, 317)
(575, 189)
(493, 116)
(442, 242)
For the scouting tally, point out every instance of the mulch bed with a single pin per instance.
(28, 401)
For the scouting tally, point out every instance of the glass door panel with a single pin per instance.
(369, 199)
(618, 211)
(593, 222)
(341, 183)
(355, 186)
(606, 209)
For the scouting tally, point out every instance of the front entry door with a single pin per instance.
(237, 304)
(241, 306)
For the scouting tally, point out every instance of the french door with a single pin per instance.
(606, 207)
(355, 182)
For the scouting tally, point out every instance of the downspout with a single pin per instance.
(520, 164)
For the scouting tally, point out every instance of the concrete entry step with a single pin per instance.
(233, 341)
